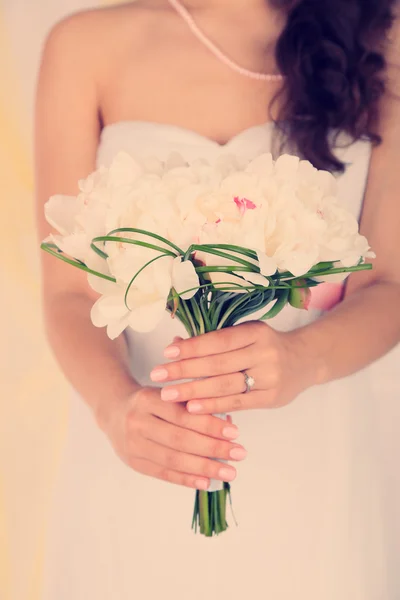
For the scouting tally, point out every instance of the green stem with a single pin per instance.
(197, 315)
(204, 514)
(189, 317)
(205, 312)
(217, 521)
(278, 306)
(182, 318)
(217, 306)
(337, 271)
(195, 512)
(222, 508)
(230, 310)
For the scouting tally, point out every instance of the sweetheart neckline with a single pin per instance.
(186, 131)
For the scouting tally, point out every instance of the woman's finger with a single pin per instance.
(215, 342)
(173, 460)
(208, 366)
(184, 440)
(205, 424)
(152, 469)
(252, 400)
(210, 387)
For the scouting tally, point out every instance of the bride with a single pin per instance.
(205, 78)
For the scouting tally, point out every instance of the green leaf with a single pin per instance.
(98, 251)
(212, 250)
(78, 264)
(279, 305)
(233, 248)
(331, 271)
(222, 269)
(109, 238)
(149, 234)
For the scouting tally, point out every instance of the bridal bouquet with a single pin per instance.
(209, 243)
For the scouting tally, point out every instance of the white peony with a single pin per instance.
(142, 303)
(285, 211)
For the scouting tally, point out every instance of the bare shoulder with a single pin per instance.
(81, 31)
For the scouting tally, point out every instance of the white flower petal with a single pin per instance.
(255, 278)
(75, 245)
(124, 170)
(145, 318)
(286, 167)
(111, 311)
(152, 165)
(97, 317)
(112, 307)
(101, 286)
(115, 328)
(61, 211)
(97, 263)
(226, 280)
(262, 165)
(174, 161)
(267, 264)
(184, 277)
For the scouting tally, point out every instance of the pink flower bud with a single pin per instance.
(300, 295)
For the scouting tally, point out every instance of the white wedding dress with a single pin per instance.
(313, 499)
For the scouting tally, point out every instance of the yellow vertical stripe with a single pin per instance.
(33, 393)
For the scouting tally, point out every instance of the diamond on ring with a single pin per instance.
(249, 382)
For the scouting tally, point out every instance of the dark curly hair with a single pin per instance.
(331, 53)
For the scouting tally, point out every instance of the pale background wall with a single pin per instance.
(32, 392)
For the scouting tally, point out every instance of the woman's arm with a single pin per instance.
(367, 324)
(66, 139)
(153, 438)
(362, 328)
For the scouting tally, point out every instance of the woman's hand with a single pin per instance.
(166, 442)
(278, 362)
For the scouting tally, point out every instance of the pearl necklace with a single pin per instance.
(187, 17)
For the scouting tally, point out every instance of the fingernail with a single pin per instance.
(238, 453)
(194, 407)
(231, 433)
(202, 484)
(172, 352)
(159, 375)
(169, 394)
(227, 474)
